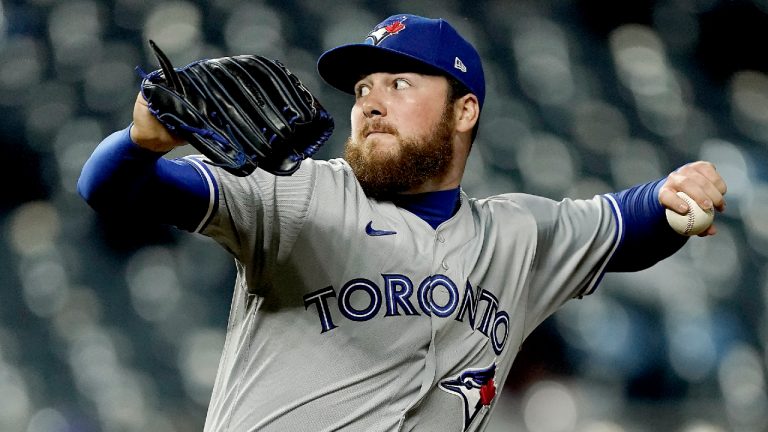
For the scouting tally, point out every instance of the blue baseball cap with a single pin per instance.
(405, 43)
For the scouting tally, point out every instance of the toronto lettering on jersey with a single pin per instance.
(396, 295)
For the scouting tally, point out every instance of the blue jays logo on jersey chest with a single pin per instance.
(396, 295)
(476, 388)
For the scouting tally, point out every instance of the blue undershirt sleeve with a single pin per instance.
(647, 237)
(121, 179)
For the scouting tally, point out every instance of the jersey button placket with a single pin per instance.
(439, 293)
(440, 251)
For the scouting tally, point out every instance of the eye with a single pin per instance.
(362, 90)
(402, 83)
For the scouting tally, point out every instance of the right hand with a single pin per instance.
(148, 132)
(700, 181)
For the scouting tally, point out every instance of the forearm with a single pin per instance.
(647, 237)
(122, 179)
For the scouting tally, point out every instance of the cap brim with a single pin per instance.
(344, 66)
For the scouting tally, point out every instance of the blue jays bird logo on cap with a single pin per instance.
(475, 387)
(385, 30)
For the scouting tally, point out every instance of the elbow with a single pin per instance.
(86, 183)
(84, 188)
(87, 192)
(108, 172)
(640, 255)
(90, 189)
(622, 264)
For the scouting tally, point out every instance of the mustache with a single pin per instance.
(378, 126)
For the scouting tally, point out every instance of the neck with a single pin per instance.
(433, 185)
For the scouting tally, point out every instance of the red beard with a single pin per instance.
(416, 160)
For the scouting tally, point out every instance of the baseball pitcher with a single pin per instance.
(372, 293)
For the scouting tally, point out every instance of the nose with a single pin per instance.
(373, 105)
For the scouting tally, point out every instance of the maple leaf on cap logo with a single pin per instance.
(395, 27)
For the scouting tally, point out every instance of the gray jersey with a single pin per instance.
(353, 314)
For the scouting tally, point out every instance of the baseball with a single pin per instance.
(696, 221)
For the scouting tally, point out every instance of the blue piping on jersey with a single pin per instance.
(643, 236)
(648, 238)
(618, 238)
(213, 190)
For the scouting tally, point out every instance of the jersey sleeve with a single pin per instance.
(257, 218)
(575, 241)
(647, 237)
(124, 181)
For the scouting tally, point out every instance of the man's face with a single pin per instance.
(401, 131)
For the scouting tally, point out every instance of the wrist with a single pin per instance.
(149, 142)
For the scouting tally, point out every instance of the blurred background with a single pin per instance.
(108, 326)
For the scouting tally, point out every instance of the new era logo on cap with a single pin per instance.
(458, 64)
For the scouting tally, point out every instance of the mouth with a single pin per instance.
(378, 128)
(374, 132)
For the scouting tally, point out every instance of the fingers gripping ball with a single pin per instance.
(241, 112)
(696, 221)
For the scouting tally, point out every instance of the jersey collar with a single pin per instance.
(433, 207)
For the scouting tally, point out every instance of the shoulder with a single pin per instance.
(309, 169)
(528, 201)
(518, 202)
(335, 174)
(336, 166)
(541, 209)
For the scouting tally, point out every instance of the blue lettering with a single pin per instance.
(493, 305)
(494, 324)
(425, 300)
(501, 318)
(398, 289)
(468, 305)
(366, 286)
(319, 299)
(453, 296)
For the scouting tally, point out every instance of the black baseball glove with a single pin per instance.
(241, 112)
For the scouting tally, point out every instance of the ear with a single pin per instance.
(467, 110)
